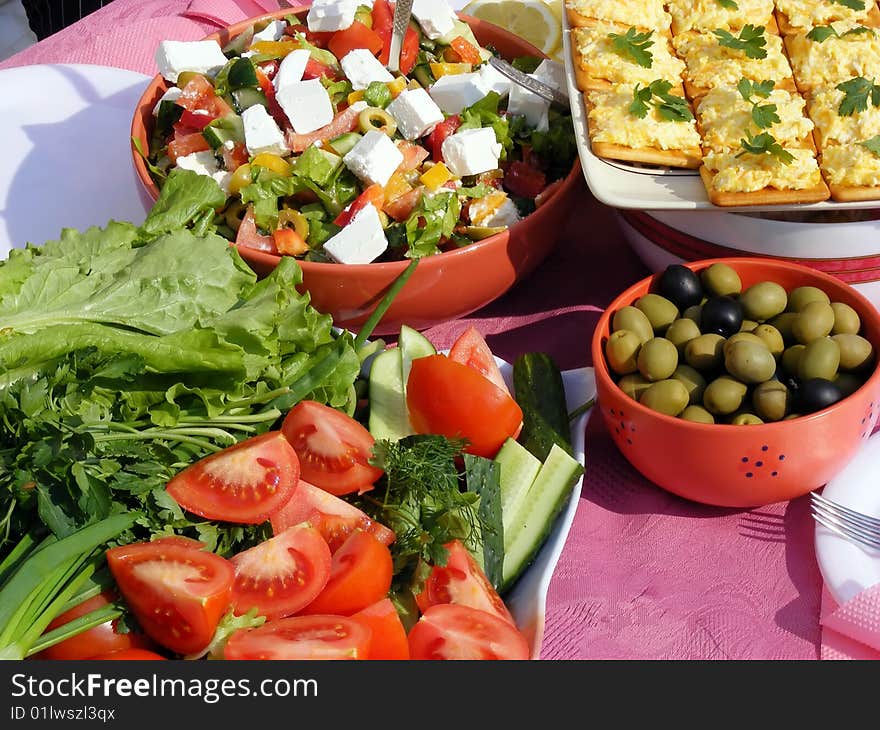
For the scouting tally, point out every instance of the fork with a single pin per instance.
(846, 522)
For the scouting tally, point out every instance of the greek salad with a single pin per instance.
(324, 154)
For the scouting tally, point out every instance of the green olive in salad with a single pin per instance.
(324, 154)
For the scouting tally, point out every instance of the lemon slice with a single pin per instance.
(533, 20)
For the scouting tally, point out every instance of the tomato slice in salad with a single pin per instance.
(301, 637)
(360, 575)
(333, 517)
(463, 582)
(388, 635)
(244, 483)
(448, 398)
(249, 236)
(177, 594)
(185, 143)
(472, 350)
(344, 121)
(435, 139)
(357, 35)
(333, 448)
(198, 95)
(282, 574)
(131, 655)
(451, 631)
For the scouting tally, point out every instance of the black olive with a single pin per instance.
(681, 286)
(722, 316)
(816, 394)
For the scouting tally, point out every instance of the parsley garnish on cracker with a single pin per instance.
(853, 4)
(872, 145)
(765, 144)
(728, 4)
(635, 45)
(822, 33)
(750, 40)
(671, 107)
(856, 92)
(763, 115)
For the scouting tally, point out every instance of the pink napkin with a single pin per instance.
(851, 631)
(227, 12)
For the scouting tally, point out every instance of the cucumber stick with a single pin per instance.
(540, 392)
(518, 467)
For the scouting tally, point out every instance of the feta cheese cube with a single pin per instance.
(494, 210)
(471, 151)
(436, 17)
(374, 158)
(291, 68)
(174, 57)
(534, 108)
(331, 15)
(306, 104)
(361, 68)
(173, 94)
(416, 113)
(551, 73)
(361, 241)
(493, 80)
(271, 32)
(204, 163)
(261, 133)
(454, 92)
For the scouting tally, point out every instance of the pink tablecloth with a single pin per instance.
(643, 574)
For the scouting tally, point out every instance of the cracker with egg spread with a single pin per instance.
(832, 127)
(795, 16)
(707, 15)
(833, 59)
(644, 14)
(852, 170)
(742, 179)
(607, 54)
(618, 134)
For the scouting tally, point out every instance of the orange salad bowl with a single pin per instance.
(742, 466)
(445, 286)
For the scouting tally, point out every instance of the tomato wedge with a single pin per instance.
(344, 121)
(472, 350)
(244, 483)
(388, 635)
(448, 398)
(176, 593)
(185, 143)
(413, 155)
(435, 139)
(301, 637)
(333, 448)
(249, 236)
(360, 575)
(334, 518)
(451, 631)
(199, 95)
(461, 581)
(357, 35)
(401, 207)
(131, 654)
(282, 574)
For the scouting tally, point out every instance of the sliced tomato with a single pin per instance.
(234, 157)
(301, 637)
(180, 540)
(383, 23)
(409, 51)
(467, 52)
(461, 581)
(249, 236)
(357, 35)
(288, 242)
(413, 155)
(101, 639)
(388, 635)
(317, 38)
(282, 574)
(472, 350)
(177, 594)
(402, 206)
(372, 195)
(183, 144)
(333, 449)
(244, 483)
(316, 70)
(450, 631)
(268, 89)
(435, 139)
(448, 398)
(196, 120)
(344, 121)
(131, 655)
(199, 95)
(334, 518)
(360, 575)
(523, 180)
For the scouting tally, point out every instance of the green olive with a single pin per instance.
(234, 214)
(763, 301)
(659, 310)
(694, 313)
(848, 383)
(724, 395)
(697, 414)
(750, 362)
(856, 352)
(721, 280)
(682, 331)
(184, 77)
(820, 359)
(657, 359)
(801, 296)
(745, 419)
(748, 325)
(622, 351)
(846, 319)
(772, 338)
(633, 385)
(783, 323)
(792, 416)
(634, 320)
(666, 396)
(692, 380)
(815, 320)
(375, 119)
(742, 337)
(705, 352)
(791, 359)
(771, 400)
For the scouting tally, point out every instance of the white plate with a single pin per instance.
(66, 153)
(622, 185)
(847, 567)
